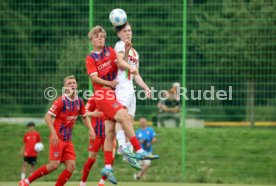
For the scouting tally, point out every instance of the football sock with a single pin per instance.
(86, 169)
(23, 176)
(42, 171)
(121, 138)
(135, 143)
(108, 158)
(63, 178)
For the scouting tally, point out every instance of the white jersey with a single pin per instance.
(124, 78)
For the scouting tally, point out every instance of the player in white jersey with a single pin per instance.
(125, 90)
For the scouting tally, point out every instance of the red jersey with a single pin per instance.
(102, 64)
(96, 122)
(66, 112)
(30, 139)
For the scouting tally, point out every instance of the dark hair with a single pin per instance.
(31, 124)
(119, 28)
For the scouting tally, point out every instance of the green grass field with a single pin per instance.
(214, 155)
(127, 184)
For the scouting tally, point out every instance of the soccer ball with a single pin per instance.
(118, 17)
(39, 147)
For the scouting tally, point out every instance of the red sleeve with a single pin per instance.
(82, 109)
(56, 107)
(113, 53)
(24, 138)
(38, 137)
(90, 66)
(91, 105)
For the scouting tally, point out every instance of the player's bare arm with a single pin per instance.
(139, 80)
(94, 78)
(86, 122)
(49, 121)
(153, 140)
(95, 114)
(22, 150)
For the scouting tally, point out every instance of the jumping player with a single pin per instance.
(102, 69)
(125, 92)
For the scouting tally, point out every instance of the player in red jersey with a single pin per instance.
(102, 69)
(28, 152)
(65, 111)
(97, 122)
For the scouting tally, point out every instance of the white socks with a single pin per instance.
(82, 183)
(121, 138)
(23, 176)
(101, 181)
(108, 166)
(140, 151)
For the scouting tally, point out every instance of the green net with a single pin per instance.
(41, 43)
(232, 43)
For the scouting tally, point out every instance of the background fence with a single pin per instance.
(229, 43)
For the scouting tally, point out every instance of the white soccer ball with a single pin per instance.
(118, 17)
(39, 147)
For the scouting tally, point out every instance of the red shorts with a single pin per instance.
(107, 103)
(63, 151)
(94, 146)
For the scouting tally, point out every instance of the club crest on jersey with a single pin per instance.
(56, 154)
(107, 53)
(115, 105)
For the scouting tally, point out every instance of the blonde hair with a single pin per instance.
(68, 77)
(95, 31)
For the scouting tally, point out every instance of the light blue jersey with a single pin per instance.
(146, 135)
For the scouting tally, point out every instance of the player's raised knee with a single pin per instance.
(122, 116)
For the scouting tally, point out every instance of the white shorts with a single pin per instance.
(127, 99)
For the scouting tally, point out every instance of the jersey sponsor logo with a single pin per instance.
(71, 118)
(104, 65)
(133, 59)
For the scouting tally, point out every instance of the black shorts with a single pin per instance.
(30, 160)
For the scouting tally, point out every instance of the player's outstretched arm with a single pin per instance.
(49, 121)
(88, 125)
(138, 79)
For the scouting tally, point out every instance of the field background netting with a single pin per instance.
(229, 43)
